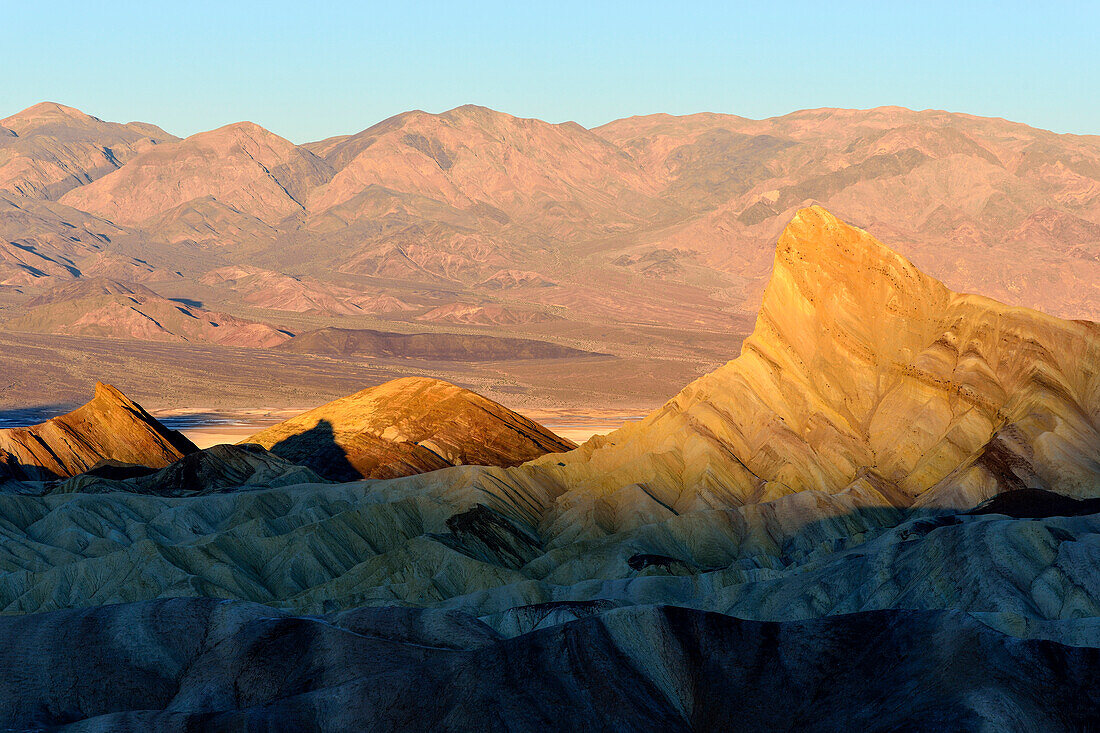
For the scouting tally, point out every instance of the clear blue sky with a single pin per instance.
(308, 70)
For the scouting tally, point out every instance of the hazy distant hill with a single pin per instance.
(985, 204)
(110, 309)
(432, 346)
(242, 168)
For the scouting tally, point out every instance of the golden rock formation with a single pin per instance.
(863, 376)
(407, 426)
(110, 427)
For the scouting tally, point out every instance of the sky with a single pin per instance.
(310, 70)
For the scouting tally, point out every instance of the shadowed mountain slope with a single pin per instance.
(194, 664)
(218, 468)
(110, 427)
(431, 540)
(407, 426)
(1037, 504)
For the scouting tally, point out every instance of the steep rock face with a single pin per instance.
(110, 309)
(189, 664)
(109, 427)
(862, 372)
(407, 426)
(240, 166)
(49, 149)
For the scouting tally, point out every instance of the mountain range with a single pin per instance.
(654, 231)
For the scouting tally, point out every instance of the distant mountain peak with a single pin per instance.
(244, 128)
(476, 109)
(44, 111)
(242, 166)
(49, 149)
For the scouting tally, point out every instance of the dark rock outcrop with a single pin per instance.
(215, 469)
(488, 535)
(1037, 504)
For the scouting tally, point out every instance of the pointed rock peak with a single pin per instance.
(826, 266)
(105, 393)
(110, 403)
(124, 418)
(816, 233)
(109, 427)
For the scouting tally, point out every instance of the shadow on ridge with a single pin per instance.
(13, 470)
(317, 448)
(189, 302)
